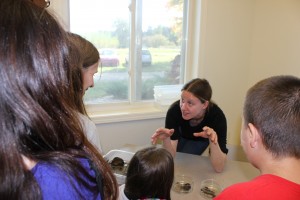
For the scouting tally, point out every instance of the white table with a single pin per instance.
(200, 168)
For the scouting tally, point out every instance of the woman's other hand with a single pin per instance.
(208, 133)
(162, 134)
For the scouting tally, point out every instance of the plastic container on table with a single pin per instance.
(165, 95)
(126, 156)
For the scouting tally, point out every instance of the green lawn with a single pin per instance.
(117, 89)
(161, 60)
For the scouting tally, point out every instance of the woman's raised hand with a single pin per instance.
(208, 133)
(162, 134)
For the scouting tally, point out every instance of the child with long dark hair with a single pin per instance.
(150, 175)
(44, 152)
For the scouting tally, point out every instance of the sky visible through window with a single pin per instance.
(100, 15)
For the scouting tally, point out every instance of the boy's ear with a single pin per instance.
(253, 135)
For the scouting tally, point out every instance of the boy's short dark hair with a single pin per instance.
(273, 107)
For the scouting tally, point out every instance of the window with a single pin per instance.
(140, 44)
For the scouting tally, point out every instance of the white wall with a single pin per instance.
(226, 57)
(60, 9)
(240, 42)
(115, 135)
(246, 41)
(276, 39)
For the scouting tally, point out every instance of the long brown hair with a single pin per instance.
(86, 55)
(88, 52)
(37, 118)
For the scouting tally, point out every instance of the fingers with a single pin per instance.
(200, 134)
(153, 140)
(208, 133)
(158, 132)
(164, 131)
(214, 138)
(161, 133)
(171, 131)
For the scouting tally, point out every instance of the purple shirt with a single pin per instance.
(56, 184)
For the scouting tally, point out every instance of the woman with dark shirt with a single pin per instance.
(194, 123)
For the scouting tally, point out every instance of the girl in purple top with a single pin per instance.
(44, 152)
(56, 183)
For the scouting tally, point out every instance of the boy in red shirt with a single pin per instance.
(270, 137)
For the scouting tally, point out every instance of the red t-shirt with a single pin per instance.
(263, 187)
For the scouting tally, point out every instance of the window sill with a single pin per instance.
(124, 112)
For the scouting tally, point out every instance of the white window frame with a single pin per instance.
(118, 112)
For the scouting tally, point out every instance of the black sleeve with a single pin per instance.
(173, 119)
(219, 124)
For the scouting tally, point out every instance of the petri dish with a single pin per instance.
(210, 188)
(183, 184)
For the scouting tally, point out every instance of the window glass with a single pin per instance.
(140, 44)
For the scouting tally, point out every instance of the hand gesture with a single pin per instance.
(161, 133)
(208, 133)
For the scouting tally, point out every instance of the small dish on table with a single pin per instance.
(183, 184)
(210, 188)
